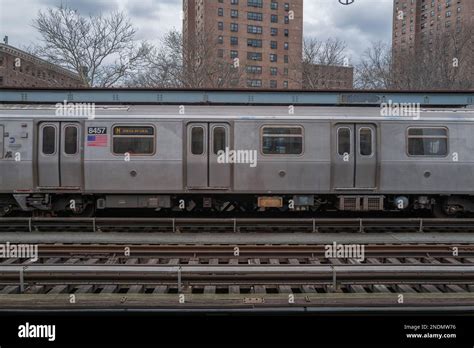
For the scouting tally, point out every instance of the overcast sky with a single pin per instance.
(358, 24)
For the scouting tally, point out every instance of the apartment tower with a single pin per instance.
(264, 38)
(418, 23)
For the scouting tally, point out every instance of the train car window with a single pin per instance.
(427, 142)
(135, 140)
(365, 141)
(286, 140)
(197, 140)
(70, 140)
(219, 139)
(49, 140)
(344, 141)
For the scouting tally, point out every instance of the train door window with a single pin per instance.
(70, 140)
(49, 140)
(219, 139)
(197, 140)
(344, 141)
(282, 140)
(427, 142)
(365, 141)
(135, 140)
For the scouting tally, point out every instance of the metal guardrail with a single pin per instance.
(233, 224)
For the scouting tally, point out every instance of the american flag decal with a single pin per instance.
(99, 140)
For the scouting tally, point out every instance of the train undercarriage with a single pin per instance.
(67, 204)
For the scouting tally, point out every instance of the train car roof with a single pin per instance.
(35, 111)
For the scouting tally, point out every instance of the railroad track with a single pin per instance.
(235, 225)
(256, 277)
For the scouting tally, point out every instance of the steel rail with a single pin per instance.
(147, 250)
(136, 273)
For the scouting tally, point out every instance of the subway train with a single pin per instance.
(236, 159)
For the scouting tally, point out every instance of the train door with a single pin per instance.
(205, 168)
(60, 155)
(354, 156)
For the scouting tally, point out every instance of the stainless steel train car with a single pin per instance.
(235, 158)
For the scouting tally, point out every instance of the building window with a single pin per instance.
(234, 2)
(254, 69)
(254, 83)
(234, 40)
(287, 6)
(273, 84)
(286, 45)
(220, 12)
(427, 142)
(135, 140)
(255, 3)
(254, 43)
(234, 27)
(287, 32)
(273, 71)
(254, 29)
(273, 45)
(220, 39)
(287, 19)
(286, 59)
(273, 57)
(220, 53)
(287, 140)
(274, 31)
(234, 13)
(220, 25)
(274, 19)
(274, 5)
(285, 84)
(254, 16)
(234, 54)
(254, 56)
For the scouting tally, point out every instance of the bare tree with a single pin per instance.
(446, 62)
(374, 70)
(163, 66)
(194, 64)
(316, 53)
(101, 49)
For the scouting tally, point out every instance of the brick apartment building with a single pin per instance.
(417, 23)
(265, 35)
(21, 69)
